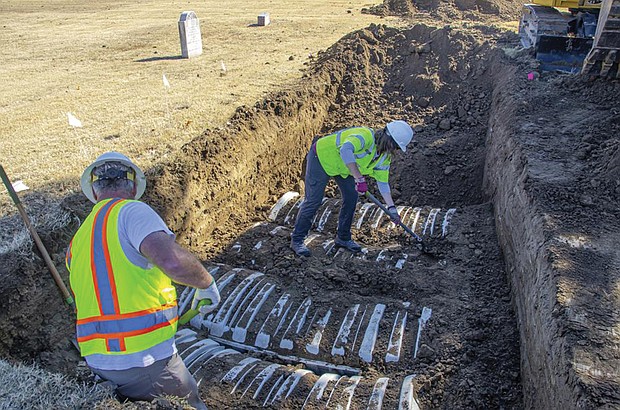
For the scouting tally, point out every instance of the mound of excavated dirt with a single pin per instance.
(449, 10)
(532, 168)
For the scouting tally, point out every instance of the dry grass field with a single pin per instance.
(104, 62)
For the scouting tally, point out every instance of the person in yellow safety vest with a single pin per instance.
(122, 261)
(349, 156)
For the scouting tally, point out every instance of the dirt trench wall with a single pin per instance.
(224, 174)
(548, 381)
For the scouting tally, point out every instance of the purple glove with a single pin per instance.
(361, 186)
(394, 214)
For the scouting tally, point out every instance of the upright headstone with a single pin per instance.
(189, 32)
(263, 19)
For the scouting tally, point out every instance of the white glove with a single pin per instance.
(211, 294)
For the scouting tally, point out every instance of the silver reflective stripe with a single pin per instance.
(338, 134)
(372, 147)
(365, 153)
(380, 166)
(360, 138)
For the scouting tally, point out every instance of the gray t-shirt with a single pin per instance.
(136, 221)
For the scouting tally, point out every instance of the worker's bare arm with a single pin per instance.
(177, 263)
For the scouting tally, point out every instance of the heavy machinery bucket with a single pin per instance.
(604, 58)
(562, 53)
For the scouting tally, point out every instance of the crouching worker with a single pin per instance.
(349, 156)
(121, 263)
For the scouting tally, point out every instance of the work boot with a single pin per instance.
(300, 248)
(349, 245)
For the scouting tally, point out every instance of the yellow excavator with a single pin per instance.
(574, 35)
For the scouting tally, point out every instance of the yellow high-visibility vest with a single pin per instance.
(364, 151)
(121, 308)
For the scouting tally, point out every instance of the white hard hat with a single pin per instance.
(86, 182)
(401, 133)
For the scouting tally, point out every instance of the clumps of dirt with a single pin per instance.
(439, 81)
(35, 325)
(599, 146)
(34, 320)
(450, 10)
(585, 144)
(391, 8)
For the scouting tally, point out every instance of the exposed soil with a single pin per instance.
(525, 285)
(450, 10)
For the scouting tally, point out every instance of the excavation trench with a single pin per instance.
(338, 315)
(392, 327)
(477, 155)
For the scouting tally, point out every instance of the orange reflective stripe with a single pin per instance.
(125, 315)
(100, 261)
(110, 347)
(126, 334)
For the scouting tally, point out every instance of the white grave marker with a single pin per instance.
(263, 19)
(189, 32)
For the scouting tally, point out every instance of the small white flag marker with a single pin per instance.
(166, 82)
(73, 121)
(19, 186)
(223, 68)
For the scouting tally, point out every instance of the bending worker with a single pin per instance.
(121, 263)
(348, 156)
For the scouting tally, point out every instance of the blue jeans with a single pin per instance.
(316, 181)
